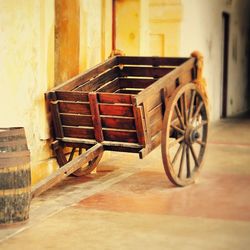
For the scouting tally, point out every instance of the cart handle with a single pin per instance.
(66, 170)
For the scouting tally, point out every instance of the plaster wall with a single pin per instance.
(202, 29)
(27, 64)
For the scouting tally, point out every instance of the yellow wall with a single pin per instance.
(165, 20)
(27, 63)
(67, 27)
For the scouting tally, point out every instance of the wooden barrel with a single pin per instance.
(15, 176)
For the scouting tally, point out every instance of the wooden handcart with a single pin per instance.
(133, 104)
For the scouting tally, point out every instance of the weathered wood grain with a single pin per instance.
(116, 110)
(76, 120)
(74, 108)
(94, 108)
(79, 132)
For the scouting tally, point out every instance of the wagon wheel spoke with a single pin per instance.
(197, 111)
(175, 142)
(80, 151)
(200, 142)
(201, 124)
(178, 113)
(177, 153)
(188, 161)
(177, 128)
(194, 156)
(182, 160)
(183, 103)
(191, 107)
(71, 154)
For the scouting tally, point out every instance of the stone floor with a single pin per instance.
(134, 206)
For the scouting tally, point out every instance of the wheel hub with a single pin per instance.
(191, 135)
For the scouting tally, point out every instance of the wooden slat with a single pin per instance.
(120, 136)
(79, 132)
(135, 82)
(119, 123)
(146, 120)
(100, 80)
(86, 76)
(134, 60)
(76, 120)
(116, 110)
(74, 108)
(140, 129)
(145, 71)
(129, 91)
(110, 86)
(114, 98)
(72, 96)
(56, 120)
(95, 116)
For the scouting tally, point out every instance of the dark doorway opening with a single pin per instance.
(226, 29)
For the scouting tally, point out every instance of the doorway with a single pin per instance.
(126, 26)
(226, 30)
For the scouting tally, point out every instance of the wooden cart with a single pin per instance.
(133, 104)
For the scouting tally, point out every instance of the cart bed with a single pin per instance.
(119, 103)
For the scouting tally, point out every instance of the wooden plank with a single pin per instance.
(155, 72)
(72, 96)
(56, 120)
(114, 98)
(66, 170)
(110, 86)
(74, 108)
(146, 121)
(87, 75)
(135, 82)
(79, 132)
(156, 114)
(119, 123)
(99, 80)
(120, 135)
(95, 116)
(76, 120)
(140, 129)
(116, 110)
(142, 60)
(167, 82)
(155, 127)
(129, 91)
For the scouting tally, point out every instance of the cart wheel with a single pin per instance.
(184, 134)
(63, 158)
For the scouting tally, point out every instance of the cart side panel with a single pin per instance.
(153, 98)
(117, 117)
(71, 115)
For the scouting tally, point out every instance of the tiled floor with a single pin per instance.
(136, 207)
